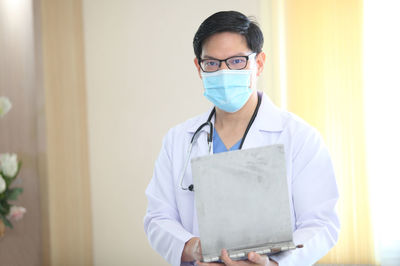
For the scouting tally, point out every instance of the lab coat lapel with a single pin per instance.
(268, 119)
(254, 138)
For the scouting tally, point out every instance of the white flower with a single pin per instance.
(16, 213)
(2, 184)
(8, 164)
(5, 106)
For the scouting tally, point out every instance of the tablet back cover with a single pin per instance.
(242, 201)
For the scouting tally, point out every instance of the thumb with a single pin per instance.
(197, 250)
(257, 258)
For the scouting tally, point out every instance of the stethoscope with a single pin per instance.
(210, 139)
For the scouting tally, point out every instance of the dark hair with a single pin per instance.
(229, 21)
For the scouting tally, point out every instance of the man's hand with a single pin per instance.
(192, 250)
(253, 259)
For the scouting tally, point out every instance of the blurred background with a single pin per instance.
(96, 84)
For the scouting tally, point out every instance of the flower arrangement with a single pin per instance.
(9, 169)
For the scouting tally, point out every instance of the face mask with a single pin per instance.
(229, 90)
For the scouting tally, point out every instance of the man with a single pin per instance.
(229, 59)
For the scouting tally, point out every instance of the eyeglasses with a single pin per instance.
(234, 63)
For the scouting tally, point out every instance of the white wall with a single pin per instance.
(141, 81)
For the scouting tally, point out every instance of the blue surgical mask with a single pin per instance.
(228, 90)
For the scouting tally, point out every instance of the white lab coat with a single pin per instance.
(171, 219)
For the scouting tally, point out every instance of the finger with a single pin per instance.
(225, 257)
(207, 264)
(257, 258)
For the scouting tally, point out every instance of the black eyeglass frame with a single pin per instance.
(226, 62)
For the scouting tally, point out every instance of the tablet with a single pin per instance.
(242, 202)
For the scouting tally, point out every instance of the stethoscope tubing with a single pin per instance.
(192, 141)
(210, 140)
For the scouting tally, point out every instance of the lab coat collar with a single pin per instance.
(269, 118)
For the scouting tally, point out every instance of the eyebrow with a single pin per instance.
(210, 57)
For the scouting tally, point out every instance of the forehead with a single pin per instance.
(224, 44)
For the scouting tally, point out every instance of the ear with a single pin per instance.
(260, 60)
(196, 63)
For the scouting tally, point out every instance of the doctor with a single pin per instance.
(229, 60)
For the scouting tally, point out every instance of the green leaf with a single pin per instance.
(13, 193)
(3, 210)
(6, 221)
(8, 181)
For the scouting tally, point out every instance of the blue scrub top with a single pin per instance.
(219, 146)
